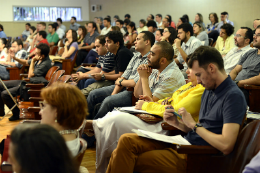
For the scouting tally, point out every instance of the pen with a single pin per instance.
(176, 114)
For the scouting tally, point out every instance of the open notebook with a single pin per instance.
(178, 139)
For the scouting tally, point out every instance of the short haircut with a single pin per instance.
(215, 17)
(151, 23)
(142, 21)
(127, 21)
(224, 13)
(107, 19)
(166, 50)
(149, 36)
(173, 35)
(120, 21)
(249, 34)
(117, 17)
(228, 28)
(28, 24)
(115, 28)
(56, 24)
(1, 27)
(186, 27)
(45, 49)
(42, 23)
(73, 17)
(71, 104)
(152, 16)
(43, 34)
(128, 16)
(53, 26)
(33, 28)
(206, 55)
(59, 19)
(19, 42)
(159, 15)
(94, 25)
(102, 39)
(116, 36)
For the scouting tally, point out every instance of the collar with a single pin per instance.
(145, 56)
(245, 48)
(223, 85)
(120, 47)
(169, 67)
(189, 41)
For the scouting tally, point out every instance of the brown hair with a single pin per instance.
(115, 28)
(70, 103)
(215, 17)
(42, 23)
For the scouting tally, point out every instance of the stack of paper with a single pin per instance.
(132, 110)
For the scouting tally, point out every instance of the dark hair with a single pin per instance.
(166, 50)
(200, 25)
(117, 17)
(127, 21)
(43, 34)
(43, 142)
(33, 28)
(42, 23)
(115, 28)
(107, 19)
(170, 18)
(19, 42)
(173, 35)
(116, 36)
(94, 25)
(56, 25)
(228, 28)
(149, 36)
(161, 31)
(143, 21)
(101, 19)
(53, 26)
(152, 16)
(1, 27)
(151, 23)
(73, 17)
(224, 13)
(59, 19)
(215, 17)
(186, 17)
(84, 31)
(186, 27)
(206, 55)
(102, 39)
(159, 15)
(132, 24)
(200, 17)
(74, 36)
(28, 24)
(184, 20)
(120, 21)
(128, 16)
(45, 49)
(5, 42)
(249, 34)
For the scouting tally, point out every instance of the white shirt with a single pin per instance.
(123, 31)
(233, 56)
(74, 146)
(60, 33)
(159, 25)
(105, 30)
(3, 55)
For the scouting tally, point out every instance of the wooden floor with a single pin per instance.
(89, 158)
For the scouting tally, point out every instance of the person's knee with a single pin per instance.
(126, 140)
(5, 95)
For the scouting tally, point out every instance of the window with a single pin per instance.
(46, 13)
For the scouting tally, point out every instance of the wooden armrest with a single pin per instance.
(30, 91)
(65, 60)
(36, 86)
(6, 166)
(34, 109)
(196, 149)
(24, 75)
(89, 64)
(35, 99)
(252, 87)
(30, 121)
(26, 79)
(12, 68)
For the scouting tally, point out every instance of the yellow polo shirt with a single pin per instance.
(229, 44)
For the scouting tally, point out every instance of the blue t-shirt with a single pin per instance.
(2, 34)
(74, 44)
(226, 104)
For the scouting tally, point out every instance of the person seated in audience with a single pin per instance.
(3, 49)
(150, 17)
(61, 26)
(99, 24)
(82, 32)
(2, 33)
(73, 25)
(33, 32)
(172, 22)
(107, 26)
(169, 35)
(41, 26)
(64, 108)
(70, 48)
(200, 34)
(52, 37)
(225, 41)
(253, 166)
(18, 51)
(120, 24)
(115, 28)
(224, 20)
(199, 18)
(40, 38)
(126, 22)
(26, 32)
(59, 31)
(34, 140)
(213, 25)
(181, 21)
(158, 19)
(247, 70)
(128, 17)
(166, 23)
(256, 24)
(116, 18)
(88, 43)
(158, 35)
(142, 26)
(188, 46)
(132, 33)
(152, 27)
(187, 19)
(39, 67)
(218, 123)
(243, 38)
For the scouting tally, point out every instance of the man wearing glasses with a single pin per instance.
(247, 71)
(243, 38)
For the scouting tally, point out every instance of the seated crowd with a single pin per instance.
(144, 67)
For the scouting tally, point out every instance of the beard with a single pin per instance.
(154, 65)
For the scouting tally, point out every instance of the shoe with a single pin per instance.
(14, 118)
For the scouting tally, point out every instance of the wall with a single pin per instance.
(241, 12)
(14, 29)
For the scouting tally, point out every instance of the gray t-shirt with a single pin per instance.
(203, 36)
(250, 62)
(90, 39)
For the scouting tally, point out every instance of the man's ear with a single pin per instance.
(212, 68)
(118, 44)
(163, 60)
(147, 42)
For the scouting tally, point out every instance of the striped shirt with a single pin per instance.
(106, 62)
(21, 54)
(169, 80)
(131, 70)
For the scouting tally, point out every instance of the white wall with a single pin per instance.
(7, 5)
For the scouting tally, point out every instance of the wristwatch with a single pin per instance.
(196, 126)
(103, 77)
(237, 82)
(121, 81)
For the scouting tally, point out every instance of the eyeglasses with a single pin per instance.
(256, 35)
(238, 35)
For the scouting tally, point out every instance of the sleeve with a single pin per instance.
(243, 58)
(229, 46)
(253, 166)
(195, 45)
(75, 44)
(180, 59)
(129, 68)
(109, 63)
(123, 60)
(23, 56)
(217, 46)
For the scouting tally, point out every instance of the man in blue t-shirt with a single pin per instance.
(222, 110)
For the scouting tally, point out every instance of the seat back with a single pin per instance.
(51, 71)
(83, 147)
(68, 65)
(60, 52)
(74, 60)
(56, 77)
(53, 50)
(64, 78)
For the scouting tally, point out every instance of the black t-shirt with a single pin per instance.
(122, 58)
(42, 68)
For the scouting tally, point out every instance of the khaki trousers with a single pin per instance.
(143, 155)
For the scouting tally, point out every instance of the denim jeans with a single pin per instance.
(84, 83)
(4, 74)
(103, 95)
